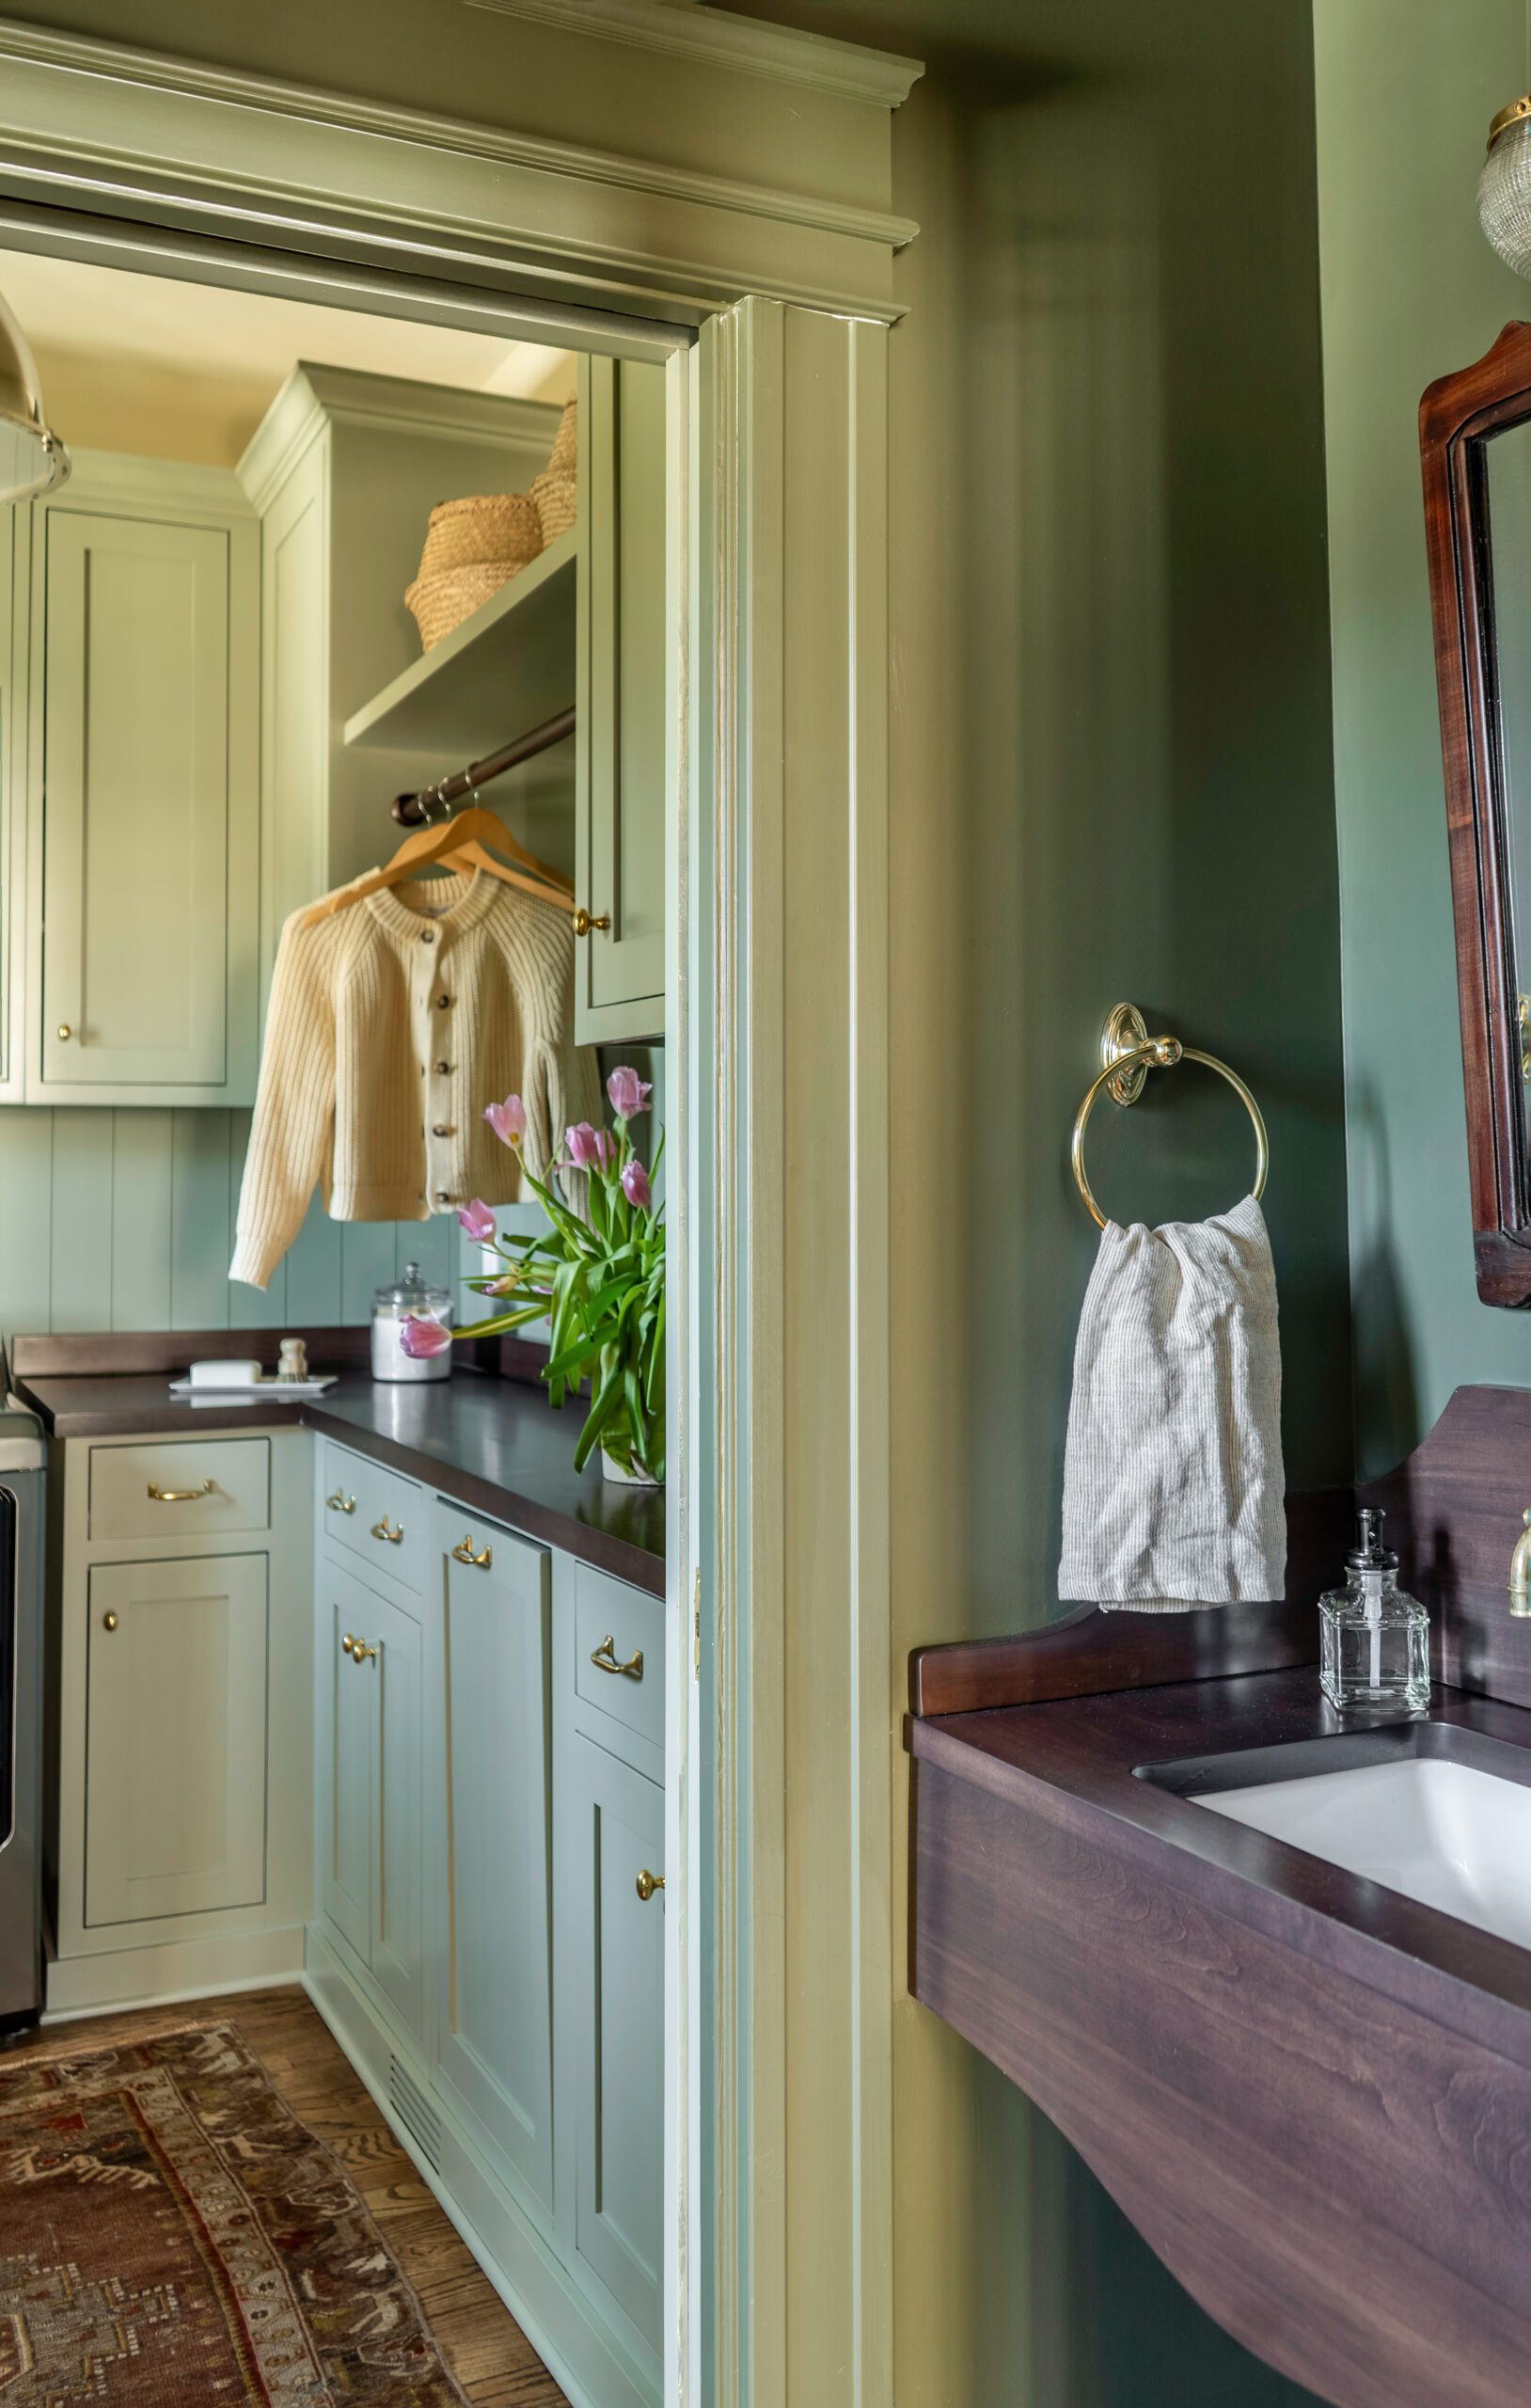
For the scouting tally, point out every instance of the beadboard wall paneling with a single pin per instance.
(125, 1220)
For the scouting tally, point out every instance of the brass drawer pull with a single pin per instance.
(462, 1553)
(647, 1883)
(385, 1530)
(604, 1659)
(179, 1495)
(339, 1503)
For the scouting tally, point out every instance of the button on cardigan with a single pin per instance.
(391, 1024)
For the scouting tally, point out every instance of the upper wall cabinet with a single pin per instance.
(345, 470)
(142, 636)
(622, 702)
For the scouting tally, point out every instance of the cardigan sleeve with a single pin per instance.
(293, 1134)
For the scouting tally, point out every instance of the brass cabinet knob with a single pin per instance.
(604, 1659)
(340, 1504)
(648, 1882)
(108, 1622)
(385, 1530)
(361, 1653)
(462, 1553)
(65, 1032)
(583, 922)
(347, 1643)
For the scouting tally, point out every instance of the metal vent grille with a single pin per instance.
(414, 2112)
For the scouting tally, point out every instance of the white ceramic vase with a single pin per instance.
(610, 1470)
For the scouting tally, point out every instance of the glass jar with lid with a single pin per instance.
(409, 1296)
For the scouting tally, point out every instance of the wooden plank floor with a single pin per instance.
(485, 2348)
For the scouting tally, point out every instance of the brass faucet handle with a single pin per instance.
(1520, 1571)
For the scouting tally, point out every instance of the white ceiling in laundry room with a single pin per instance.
(143, 364)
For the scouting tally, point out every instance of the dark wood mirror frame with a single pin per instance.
(1456, 413)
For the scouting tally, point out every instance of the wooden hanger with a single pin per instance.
(460, 843)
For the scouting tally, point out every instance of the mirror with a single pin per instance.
(1476, 452)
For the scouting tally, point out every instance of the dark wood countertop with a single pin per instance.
(493, 1443)
(1079, 1756)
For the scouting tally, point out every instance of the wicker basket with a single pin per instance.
(565, 449)
(554, 494)
(442, 602)
(484, 528)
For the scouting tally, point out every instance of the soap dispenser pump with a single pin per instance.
(1376, 1636)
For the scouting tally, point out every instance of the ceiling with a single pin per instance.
(144, 364)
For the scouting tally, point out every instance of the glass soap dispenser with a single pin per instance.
(1376, 1636)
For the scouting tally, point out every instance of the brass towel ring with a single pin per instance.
(1130, 1054)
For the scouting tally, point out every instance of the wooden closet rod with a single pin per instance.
(418, 810)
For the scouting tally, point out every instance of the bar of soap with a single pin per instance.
(225, 1375)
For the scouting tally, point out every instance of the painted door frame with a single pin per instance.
(771, 307)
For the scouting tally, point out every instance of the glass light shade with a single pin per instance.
(32, 459)
(1504, 188)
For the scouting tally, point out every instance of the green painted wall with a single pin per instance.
(1113, 776)
(1405, 92)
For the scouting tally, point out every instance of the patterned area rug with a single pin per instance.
(172, 2237)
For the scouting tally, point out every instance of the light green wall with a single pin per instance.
(1405, 92)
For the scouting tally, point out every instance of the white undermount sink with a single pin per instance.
(1452, 1837)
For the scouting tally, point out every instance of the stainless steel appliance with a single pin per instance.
(21, 1460)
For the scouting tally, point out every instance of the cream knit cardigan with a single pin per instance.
(391, 1024)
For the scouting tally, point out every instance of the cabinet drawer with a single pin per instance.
(377, 1514)
(181, 1488)
(620, 1653)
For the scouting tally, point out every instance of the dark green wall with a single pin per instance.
(1405, 92)
(1112, 777)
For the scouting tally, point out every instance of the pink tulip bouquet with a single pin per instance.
(601, 1282)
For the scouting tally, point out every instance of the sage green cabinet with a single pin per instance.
(494, 2049)
(143, 787)
(343, 471)
(612, 1855)
(176, 1753)
(370, 1783)
(622, 702)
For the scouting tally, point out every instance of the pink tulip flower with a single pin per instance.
(628, 1093)
(635, 1185)
(479, 1221)
(420, 1337)
(508, 1119)
(586, 1147)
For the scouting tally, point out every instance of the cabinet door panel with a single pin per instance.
(494, 2048)
(176, 1755)
(395, 1676)
(135, 768)
(346, 1720)
(624, 689)
(617, 1989)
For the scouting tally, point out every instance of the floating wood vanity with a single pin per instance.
(1311, 2094)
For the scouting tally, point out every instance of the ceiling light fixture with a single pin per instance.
(32, 459)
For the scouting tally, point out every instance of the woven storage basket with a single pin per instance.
(565, 449)
(443, 602)
(502, 529)
(554, 494)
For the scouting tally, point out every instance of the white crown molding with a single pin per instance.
(685, 30)
(160, 73)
